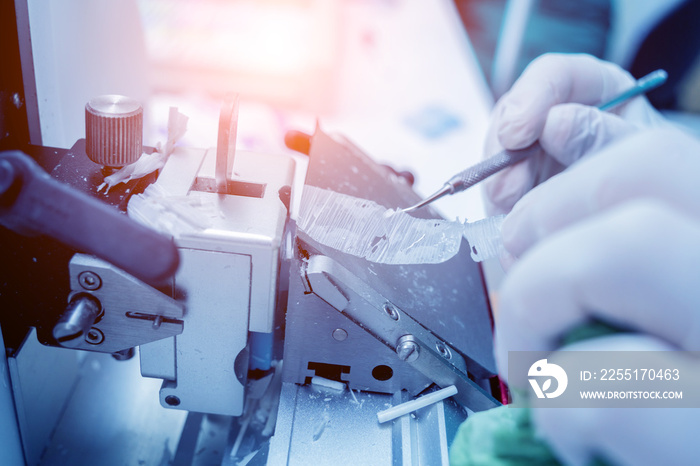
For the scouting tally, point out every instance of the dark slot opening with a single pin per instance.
(233, 187)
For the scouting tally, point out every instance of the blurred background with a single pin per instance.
(411, 83)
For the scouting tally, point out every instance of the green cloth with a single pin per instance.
(504, 436)
(591, 330)
(501, 436)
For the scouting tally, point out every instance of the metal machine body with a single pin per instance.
(229, 246)
(252, 289)
(388, 331)
(349, 329)
(254, 310)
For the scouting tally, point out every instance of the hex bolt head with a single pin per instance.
(94, 336)
(89, 280)
(407, 349)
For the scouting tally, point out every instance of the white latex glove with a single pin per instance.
(614, 237)
(617, 237)
(554, 101)
(622, 436)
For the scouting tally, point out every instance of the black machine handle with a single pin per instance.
(34, 203)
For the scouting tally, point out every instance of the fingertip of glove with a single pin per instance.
(514, 231)
(557, 132)
(516, 132)
(508, 232)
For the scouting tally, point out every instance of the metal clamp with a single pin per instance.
(111, 311)
(413, 343)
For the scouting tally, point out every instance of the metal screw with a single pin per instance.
(407, 349)
(391, 311)
(172, 400)
(157, 322)
(95, 336)
(443, 350)
(89, 280)
(339, 334)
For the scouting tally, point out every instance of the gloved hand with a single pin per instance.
(620, 436)
(554, 101)
(614, 237)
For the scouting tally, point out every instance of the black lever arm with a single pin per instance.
(33, 203)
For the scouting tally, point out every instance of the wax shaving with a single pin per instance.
(413, 405)
(239, 437)
(484, 238)
(173, 215)
(323, 382)
(148, 163)
(365, 229)
(247, 458)
(321, 426)
(270, 402)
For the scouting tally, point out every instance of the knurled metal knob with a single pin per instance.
(113, 130)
